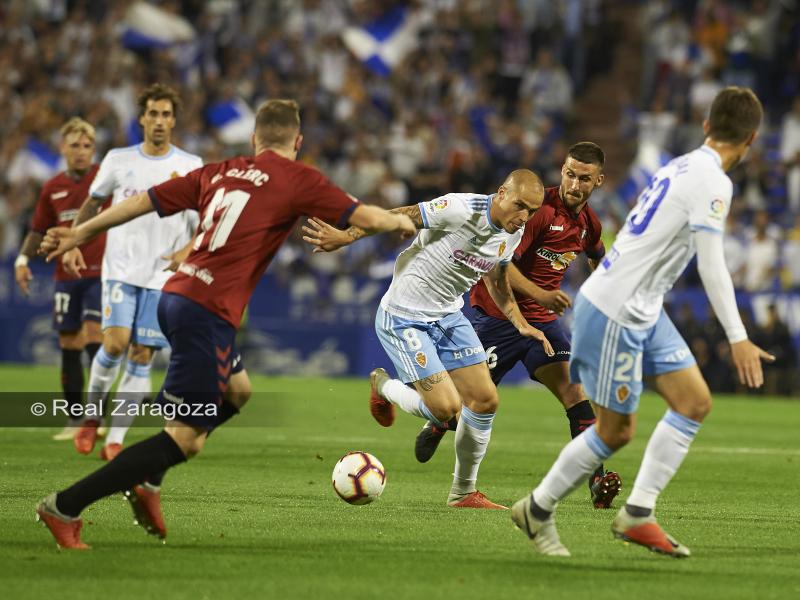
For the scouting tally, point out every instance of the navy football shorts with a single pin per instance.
(76, 301)
(237, 365)
(505, 346)
(201, 361)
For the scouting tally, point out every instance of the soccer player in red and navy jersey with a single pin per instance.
(76, 302)
(556, 235)
(248, 206)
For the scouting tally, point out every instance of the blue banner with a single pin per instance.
(289, 332)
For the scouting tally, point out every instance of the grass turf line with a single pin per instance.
(255, 512)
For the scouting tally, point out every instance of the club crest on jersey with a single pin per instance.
(438, 204)
(501, 249)
(559, 261)
(623, 393)
(421, 358)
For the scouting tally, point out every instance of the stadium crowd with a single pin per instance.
(489, 87)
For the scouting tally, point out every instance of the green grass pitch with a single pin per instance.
(255, 516)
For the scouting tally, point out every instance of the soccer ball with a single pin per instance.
(359, 478)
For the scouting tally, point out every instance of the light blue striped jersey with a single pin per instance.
(688, 194)
(457, 247)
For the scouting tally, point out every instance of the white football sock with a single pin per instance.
(472, 439)
(135, 385)
(665, 452)
(102, 375)
(577, 461)
(408, 399)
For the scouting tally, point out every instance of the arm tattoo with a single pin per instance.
(428, 383)
(31, 244)
(356, 233)
(88, 209)
(412, 212)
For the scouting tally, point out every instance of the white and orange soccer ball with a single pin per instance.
(359, 478)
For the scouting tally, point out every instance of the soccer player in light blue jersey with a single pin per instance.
(464, 237)
(621, 332)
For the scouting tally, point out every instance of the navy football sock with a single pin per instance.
(581, 417)
(91, 350)
(72, 377)
(156, 454)
(226, 412)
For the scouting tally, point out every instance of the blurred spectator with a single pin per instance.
(780, 377)
(791, 257)
(735, 249)
(790, 154)
(656, 126)
(761, 262)
(549, 85)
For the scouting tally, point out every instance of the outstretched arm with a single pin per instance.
(326, 238)
(500, 290)
(719, 289)
(61, 239)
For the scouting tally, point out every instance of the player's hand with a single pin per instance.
(747, 357)
(405, 226)
(73, 262)
(555, 300)
(324, 237)
(23, 275)
(58, 241)
(531, 332)
(176, 258)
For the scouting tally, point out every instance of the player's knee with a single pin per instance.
(239, 391)
(92, 332)
(141, 355)
(700, 407)
(190, 445)
(114, 346)
(571, 395)
(616, 435)
(71, 340)
(194, 447)
(484, 402)
(623, 436)
(446, 410)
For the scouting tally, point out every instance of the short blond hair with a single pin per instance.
(277, 122)
(78, 125)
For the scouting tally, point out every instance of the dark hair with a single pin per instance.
(588, 153)
(277, 122)
(735, 115)
(158, 91)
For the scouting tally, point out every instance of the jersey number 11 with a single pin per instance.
(223, 211)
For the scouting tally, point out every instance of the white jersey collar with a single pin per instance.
(494, 227)
(712, 153)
